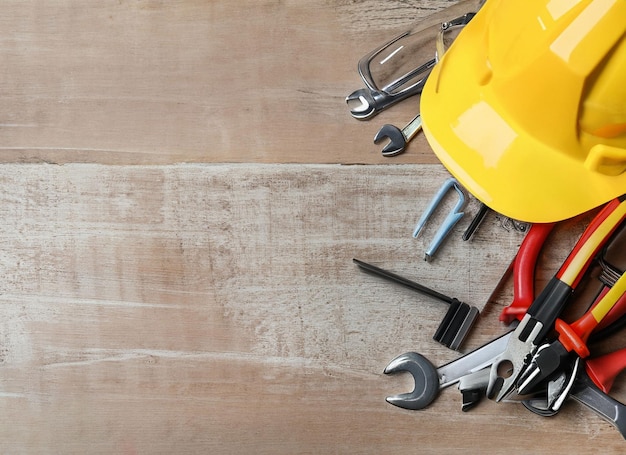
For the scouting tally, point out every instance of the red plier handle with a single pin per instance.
(540, 318)
(526, 259)
(524, 272)
(604, 369)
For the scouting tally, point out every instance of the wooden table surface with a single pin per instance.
(183, 191)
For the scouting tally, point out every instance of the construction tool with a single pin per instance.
(573, 337)
(540, 318)
(449, 222)
(458, 320)
(524, 265)
(426, 388)
(398, 138)
(367, 102)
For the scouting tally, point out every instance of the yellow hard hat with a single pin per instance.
(527, 109)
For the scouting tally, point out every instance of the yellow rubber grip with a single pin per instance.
(610, 299)
(587, 250)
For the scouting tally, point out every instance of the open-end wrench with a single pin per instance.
(364, 103)
(398, 138)
(428, 380)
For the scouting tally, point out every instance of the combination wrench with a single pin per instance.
(398, 138)
(429, 381)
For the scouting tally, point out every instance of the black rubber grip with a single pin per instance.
(547, 307)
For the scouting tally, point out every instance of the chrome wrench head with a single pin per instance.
(427, 386)
(397, 141)
(425, 377)
(363, 105)
(398, 138)
(388, 71)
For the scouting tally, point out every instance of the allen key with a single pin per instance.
(458, 320)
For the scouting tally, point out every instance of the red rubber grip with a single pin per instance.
(524, 272)
(603, 370)
(570, 338)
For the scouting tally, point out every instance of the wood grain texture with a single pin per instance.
(152, 82)
(215, 309)
(158, 300)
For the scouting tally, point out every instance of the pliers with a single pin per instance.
(587, 390)
(553, 361)
(469, 369)
(540, 319)
(588, 383)
(553, 389)
(573, 337)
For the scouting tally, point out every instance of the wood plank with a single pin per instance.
(215, 309)
(149, 82)
(210, 308)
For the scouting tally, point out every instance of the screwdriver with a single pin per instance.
(457, 321)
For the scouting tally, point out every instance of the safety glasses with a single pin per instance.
(389, 72)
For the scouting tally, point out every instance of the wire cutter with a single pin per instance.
(588, 383)
(542, 314)
(551, 356)
(588, 390)
(557, 385)
(555, 357)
